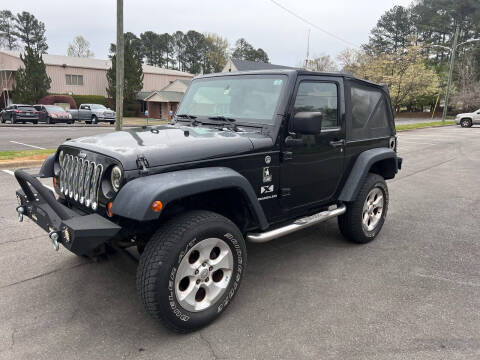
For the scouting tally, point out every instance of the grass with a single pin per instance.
(10, 155)
(423, 125)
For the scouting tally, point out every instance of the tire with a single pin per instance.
(352, 224)
(35, 122)
(94, 119)
(49, 120)
(13, 119)
(3, 120)
(466, 123)
(112, 122)
(161, 273)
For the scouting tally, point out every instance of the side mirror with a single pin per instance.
(309, 123)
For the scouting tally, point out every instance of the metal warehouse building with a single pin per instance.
(81, 76)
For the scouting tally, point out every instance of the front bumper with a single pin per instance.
(79, 233)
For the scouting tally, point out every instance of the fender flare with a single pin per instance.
(47, 169)
(362, 166)
(135, 198)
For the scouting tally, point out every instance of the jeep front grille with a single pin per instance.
(80, 180)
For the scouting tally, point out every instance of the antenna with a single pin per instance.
(308, 50)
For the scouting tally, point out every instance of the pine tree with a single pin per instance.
(32, 81)
(133, 82)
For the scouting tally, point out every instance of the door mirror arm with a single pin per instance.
(292, 141)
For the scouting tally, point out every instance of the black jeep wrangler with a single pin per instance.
(249, 156)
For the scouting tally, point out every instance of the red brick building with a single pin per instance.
(161, 102)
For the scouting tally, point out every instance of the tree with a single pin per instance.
(80, 47)
(216, 53)
(392, 32)
(136, 45)
(31, 32)
(194, 52)
(467, 93)
(32, 81)
(133, 81)
(245, 51)
(166, 49)
(8, 38)
(150, 51)
(322, 64)
(179, 49)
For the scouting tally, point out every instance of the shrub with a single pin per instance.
(55, 99)
(131, 109)
(90, 99)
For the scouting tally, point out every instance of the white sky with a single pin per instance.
(260, 22)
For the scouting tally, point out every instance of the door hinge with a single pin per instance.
(285, 192)
(287, 155)
(142, 165)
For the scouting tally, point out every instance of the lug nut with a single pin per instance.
(206, 280)
(198, 281)
(210, 268)
(204, 264)
(196, 272)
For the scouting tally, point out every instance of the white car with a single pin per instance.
(468, 119)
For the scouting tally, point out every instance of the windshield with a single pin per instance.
(97, 106)
(251, 98)
(54, 108)
(26, 108)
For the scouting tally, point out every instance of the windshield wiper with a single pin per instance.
(222, 118)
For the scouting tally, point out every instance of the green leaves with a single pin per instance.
(32, 81)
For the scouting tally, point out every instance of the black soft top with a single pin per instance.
(294, 72)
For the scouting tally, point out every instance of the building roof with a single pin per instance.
(165, 96)
(91, 63)
(246, 65)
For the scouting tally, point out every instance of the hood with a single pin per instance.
(164, 145)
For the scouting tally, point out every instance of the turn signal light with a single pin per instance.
(157, 206)
(109, 207)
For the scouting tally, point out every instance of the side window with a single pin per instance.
(370, 116)
(318, 96)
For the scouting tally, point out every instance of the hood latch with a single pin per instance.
(142, 165)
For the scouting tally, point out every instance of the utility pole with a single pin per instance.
(308, 51)
(119, 68)
(450, 72)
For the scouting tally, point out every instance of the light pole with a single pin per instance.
(453, 51)
(119, 68)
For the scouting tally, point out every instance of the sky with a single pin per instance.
(260, 22)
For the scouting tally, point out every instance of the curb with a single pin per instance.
(20, 164)
(426, 127)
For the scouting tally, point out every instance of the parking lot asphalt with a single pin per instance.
(413, 293)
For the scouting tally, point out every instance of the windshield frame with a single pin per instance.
(271, 122)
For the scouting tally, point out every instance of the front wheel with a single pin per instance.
(365, 216)
(465, 123)
(94, 119)
(191, 269)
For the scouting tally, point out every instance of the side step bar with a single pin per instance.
(299, 224)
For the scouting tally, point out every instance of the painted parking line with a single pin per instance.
(10, 172)
(32, 146)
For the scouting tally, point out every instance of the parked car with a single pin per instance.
(52, 114)
(249, 156)
(468, 119)
(93, 113)
(16, 113)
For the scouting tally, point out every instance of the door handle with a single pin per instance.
(338, 143)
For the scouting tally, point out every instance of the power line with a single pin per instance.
(312, 24)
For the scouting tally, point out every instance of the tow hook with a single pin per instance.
(20, 211)
(54, 237)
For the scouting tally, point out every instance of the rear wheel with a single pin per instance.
(13, 119)
(94, 119)
(191, 269)
(365, 216)
(466, 123)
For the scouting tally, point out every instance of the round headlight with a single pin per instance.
(116, 178)
(60, 158)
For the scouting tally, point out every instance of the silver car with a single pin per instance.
(468, 119)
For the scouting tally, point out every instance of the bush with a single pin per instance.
(55, 99)
(90, 99)
(131, 109)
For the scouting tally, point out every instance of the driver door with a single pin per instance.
(313, 166)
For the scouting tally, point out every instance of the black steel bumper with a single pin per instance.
(78, 233)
